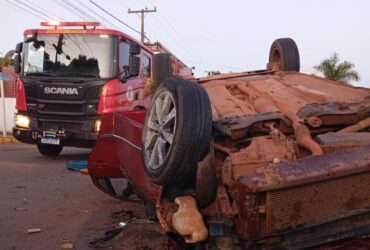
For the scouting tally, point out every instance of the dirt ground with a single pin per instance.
(40, 193)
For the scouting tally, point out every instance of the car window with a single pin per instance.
(146, 62)
(124, 54)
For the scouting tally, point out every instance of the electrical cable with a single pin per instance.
(34, 9)
(56, 17)
(83, 13)
(113, 16)
(70, 9)
(14, 5)
(101, 18)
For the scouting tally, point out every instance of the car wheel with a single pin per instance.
(284, 55)
(49, 150)
(177, 132)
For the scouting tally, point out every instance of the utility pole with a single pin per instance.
(142, 12)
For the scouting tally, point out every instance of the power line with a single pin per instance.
(85, 14)
(182, 42)
(142, 12)
(97, 14)
(15, 5)
(43, 10)
(113, 16)
(34, 9)
(162, 29)
(70, 9)
(163, 25)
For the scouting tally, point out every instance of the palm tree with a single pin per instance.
(335, 70)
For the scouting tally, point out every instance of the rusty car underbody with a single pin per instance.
(291, 151)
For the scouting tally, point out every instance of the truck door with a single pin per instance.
(129, 125)
(134, 72)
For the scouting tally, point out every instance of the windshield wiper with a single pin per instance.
(77, 74)
(41, 74)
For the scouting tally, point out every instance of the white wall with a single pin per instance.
(9, 114)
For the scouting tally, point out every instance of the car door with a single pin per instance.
(129, 122)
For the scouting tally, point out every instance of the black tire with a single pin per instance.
(49, 150)
(161, 68)
(284, 55)
(191, 136)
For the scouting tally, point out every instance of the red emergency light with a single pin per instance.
(69, 24)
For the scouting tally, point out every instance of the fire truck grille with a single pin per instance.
(316, 203)
(70, 108)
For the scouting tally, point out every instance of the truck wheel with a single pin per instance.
(177, 132)
(284, 55)
(49, 150)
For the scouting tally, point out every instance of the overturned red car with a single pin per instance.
(268, 159)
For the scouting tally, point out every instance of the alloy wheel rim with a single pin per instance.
(160, 132)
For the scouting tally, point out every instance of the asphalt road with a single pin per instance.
(40, 193)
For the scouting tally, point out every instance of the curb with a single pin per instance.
(8, 139)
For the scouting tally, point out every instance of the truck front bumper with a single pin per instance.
(76, 132)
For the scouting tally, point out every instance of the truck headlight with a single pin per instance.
(22, 121)
(97, 126)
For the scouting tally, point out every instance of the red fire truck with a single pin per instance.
(71, 73)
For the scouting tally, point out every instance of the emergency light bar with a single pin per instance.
(69, 24)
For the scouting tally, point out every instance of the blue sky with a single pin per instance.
(230, 35)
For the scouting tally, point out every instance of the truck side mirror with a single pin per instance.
(134, 65)
(135, 49)
(19, 48)
(17, 63)
(125, 74)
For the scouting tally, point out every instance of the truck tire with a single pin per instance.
(177, 132)
(284, 55)
(49, 150)
(161, 68)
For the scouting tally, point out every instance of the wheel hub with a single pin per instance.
(161, 130)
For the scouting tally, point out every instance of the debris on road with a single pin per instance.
(34, 230)
(76, 165)
(126, 218)
(108, 235)
(84, 171)
(123, 215)
(20, 209)
(67, 245)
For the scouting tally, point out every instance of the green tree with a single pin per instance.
(333, 69)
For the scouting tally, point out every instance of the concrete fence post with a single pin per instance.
(2, 92)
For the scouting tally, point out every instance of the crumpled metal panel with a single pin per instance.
(351, 138)
(312, 204)
(239, 127)
(262, 151)
(336, 114)
(308, 170)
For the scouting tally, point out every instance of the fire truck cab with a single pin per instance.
(72, 73)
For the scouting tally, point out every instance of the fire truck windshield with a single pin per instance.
(70, 55)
